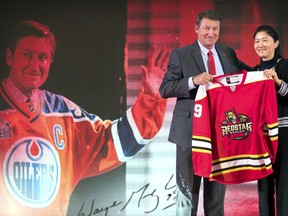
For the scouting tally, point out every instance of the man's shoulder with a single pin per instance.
(226, 50)
(186, 48)
(223, 47)
(53, 98)
(48, 93)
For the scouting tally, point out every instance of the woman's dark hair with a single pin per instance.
(272, 33)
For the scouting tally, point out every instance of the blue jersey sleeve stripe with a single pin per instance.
(121, 156)
(126, 137)
(135, 130)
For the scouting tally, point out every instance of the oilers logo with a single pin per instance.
(32, 171)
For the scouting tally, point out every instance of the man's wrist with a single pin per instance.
(194, 82)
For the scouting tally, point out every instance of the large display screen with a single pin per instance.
(101, 48)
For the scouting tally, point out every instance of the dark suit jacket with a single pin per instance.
(185, 62)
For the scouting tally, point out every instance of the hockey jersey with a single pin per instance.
(235, 128)
(47, 150)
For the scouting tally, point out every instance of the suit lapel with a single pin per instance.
(196, 55)
(223, 58)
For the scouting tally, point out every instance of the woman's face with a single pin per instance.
(265, 45)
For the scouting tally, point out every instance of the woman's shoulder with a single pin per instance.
(283, 63)
(282, 68)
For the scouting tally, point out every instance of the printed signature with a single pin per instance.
(155, 198)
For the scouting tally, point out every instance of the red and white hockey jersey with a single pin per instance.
(235, 128)
(46, 151)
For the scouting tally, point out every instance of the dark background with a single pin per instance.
(88, 68)
(89, 58)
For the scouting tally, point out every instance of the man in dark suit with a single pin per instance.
(187, 69)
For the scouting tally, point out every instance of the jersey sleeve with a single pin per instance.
(102, 145)
(201, 135)
(271, 116)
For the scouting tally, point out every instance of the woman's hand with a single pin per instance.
(272, 74)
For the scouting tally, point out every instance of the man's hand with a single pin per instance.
(153, 73)
(202, 79)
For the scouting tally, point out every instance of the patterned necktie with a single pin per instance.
(30, 105)
(211, 63)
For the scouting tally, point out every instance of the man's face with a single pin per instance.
(30, 63)
(208, 32)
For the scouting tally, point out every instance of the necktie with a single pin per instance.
(30, 105)
(211, 63)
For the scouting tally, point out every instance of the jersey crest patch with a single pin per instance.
(31, 170)
(5, 129)
(237, 126)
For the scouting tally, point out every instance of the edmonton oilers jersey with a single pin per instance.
(48, 147)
